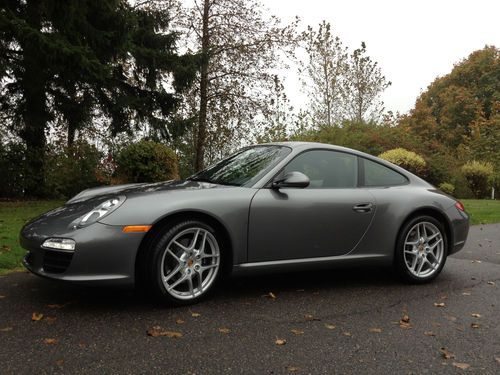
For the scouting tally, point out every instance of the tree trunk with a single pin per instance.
(35, 110)
(202, 116)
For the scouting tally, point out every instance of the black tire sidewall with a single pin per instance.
(158, 248)
(399, 262)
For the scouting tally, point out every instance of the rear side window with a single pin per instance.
(378, 175)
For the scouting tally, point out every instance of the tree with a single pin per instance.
(324, 71)
(363, 85)
(73, 61)
(240, 48)
(461, 110)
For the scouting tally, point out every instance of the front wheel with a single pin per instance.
(184, 263)
(421, 250)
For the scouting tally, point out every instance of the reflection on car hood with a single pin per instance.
(143, 188)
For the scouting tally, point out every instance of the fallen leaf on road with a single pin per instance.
(280, 342)
(466, 294)
(293, 369)
(157, 331)
(330, 326)
(405, 322)
(180, 321)
(446, 354)
(36, 316)
(347, 334)
(476, 261)
(440, 304)
(60, 362)
(2, 296)
(195, 315)
(311, 318)
(475, 315)
(6, 249)
(497, 359)
(462, 366)
(6, 329)
(429, 333)
(491, 283)
(375, 330)
(474, 325)
(270, 295)
(297, 332)
(224, 330)
(50, 341)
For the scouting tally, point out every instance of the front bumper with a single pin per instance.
(103, 255)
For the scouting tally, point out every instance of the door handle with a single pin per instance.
(363, 207)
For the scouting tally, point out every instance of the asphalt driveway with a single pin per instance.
(351, 321)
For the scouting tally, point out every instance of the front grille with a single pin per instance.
(56, 261)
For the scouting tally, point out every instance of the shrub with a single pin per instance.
(69, 170)
(478, 175)
(405, 159)
(146, 161)
(447, 188)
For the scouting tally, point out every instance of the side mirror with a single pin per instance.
(291, 180)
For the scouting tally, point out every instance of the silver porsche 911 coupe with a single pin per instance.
(271, 207)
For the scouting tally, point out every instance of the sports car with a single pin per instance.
(270, 207)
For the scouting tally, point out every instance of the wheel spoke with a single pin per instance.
(433, 246)
(204, 268)
(422, 261)
(203, 242)
(174, 256)
(200, 281)
(190, 283)
(171, 274)
(194, 240)
(424, 230)
(431, 264)
(414, 262)
(176, 243)
(180, 280)
(431, 237)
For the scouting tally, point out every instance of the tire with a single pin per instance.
(421, 250)
(184, 262)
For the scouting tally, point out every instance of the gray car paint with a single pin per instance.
(267, 229)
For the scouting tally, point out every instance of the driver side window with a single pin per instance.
(326, 169)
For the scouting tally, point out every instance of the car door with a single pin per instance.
(328, 218)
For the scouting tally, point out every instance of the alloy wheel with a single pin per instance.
(190, 263)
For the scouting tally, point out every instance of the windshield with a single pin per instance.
(246, 166)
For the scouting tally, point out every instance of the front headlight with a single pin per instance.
(104, 209)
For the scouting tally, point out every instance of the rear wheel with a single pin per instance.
(421, 250)
(184, 262)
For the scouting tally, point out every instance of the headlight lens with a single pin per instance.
(100, 211)
(66, 244)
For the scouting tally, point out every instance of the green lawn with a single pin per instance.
(12, 217)
(14, 214)
(482, 211)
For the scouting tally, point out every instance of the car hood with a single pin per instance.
(59, 221)
(142, 188)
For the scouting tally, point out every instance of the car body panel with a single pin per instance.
(306, 223)
(264, 225)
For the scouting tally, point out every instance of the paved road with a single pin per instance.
(345, 322)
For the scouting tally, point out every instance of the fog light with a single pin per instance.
(59, 244)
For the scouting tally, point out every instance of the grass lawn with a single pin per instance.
(14, 214)
(12, 217)
(482, 211)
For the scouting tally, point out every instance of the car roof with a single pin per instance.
(306, 145)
